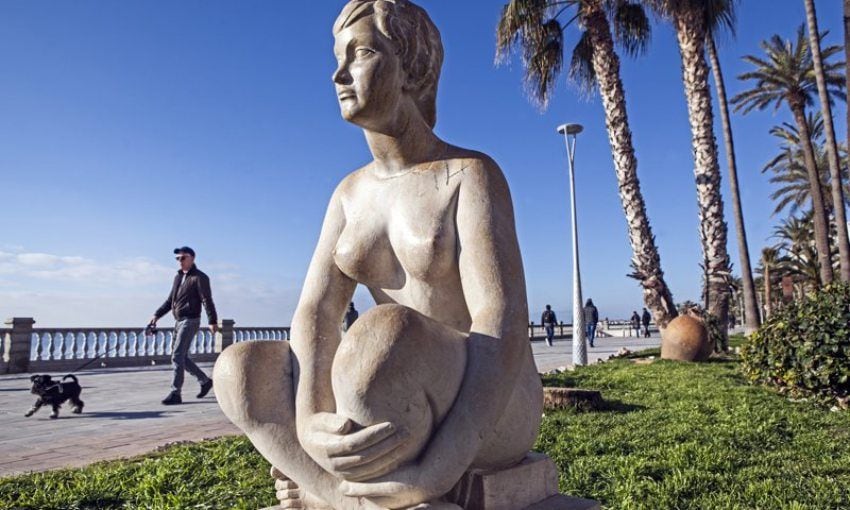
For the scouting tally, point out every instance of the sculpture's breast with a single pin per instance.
(425, 241)
(364, 253)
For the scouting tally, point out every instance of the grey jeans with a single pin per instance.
(184, 331)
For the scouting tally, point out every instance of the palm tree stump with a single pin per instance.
(685, 339)
(559, 398)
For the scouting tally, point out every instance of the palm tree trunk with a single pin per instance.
(691, 32)
(750, 305)
(831, 145)
(646, 262)
(768, 304)
(818, 210)
(847, 59)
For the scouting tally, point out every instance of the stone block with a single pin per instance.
(531, 481)
(561, 502)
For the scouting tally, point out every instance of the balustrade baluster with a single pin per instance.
(35, 347)
(68, 351)
(47, 342)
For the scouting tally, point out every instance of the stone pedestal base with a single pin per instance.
(530, 485)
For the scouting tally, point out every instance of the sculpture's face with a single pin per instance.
(369, 78)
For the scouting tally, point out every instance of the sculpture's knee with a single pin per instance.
(253, 382)
(397, 365)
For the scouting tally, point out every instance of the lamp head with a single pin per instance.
(570, 129)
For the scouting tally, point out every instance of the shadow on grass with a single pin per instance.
(608, 406)
(618, 407)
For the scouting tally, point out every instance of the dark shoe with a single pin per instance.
(172, 399)
(205, 388)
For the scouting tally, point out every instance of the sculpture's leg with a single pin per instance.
(398, 365)
(254, 388)
(515, 432)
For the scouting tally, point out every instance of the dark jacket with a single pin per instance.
(548, 317)
(185, 300)
(646, 318)
(591, 315)
(350, 317)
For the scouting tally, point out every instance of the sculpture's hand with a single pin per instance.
(356, 455)
(405, 487)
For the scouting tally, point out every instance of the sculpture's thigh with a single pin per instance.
(397, 365)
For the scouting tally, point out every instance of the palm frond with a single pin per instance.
(581, 64)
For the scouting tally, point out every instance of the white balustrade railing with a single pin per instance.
(86, 343)
(242, 334)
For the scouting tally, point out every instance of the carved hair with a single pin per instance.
(417, 40)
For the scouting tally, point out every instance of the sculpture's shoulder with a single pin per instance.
(349, 184)
(480, 171)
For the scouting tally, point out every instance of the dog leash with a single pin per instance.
(149, 331)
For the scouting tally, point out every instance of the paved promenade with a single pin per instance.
(123, 416)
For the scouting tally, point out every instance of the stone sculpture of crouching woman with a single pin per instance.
(438, 378)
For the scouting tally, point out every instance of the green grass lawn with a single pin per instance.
(673, 435)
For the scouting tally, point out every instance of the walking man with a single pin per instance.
(191, 289)
(549, 320)
(350, 316)
(646, 319)
(635, 323)
(591, 318)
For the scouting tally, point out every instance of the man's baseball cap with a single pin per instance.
(184, 249)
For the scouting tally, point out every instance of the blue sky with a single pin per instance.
(128, 128)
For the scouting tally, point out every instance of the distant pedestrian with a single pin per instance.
(350, 316)
(635, 323)
(646, 318)
(549, 321)
(591, 318)
(190, 289)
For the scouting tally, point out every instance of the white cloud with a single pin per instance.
(73, 291)
(56, 268)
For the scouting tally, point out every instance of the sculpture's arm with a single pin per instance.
(494, 287)
(316, 323)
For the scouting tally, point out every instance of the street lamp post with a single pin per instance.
(570, 132)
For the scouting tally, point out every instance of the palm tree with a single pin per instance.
(826, 78)
(693, 21)
(769, 267)
(535, 27)
(787, 76)
(753, 321)
(789, 167)
(796, 239)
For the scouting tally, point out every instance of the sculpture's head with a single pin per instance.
(390, 55)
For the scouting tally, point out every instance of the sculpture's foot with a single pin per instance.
(292, 496)
(438, 505)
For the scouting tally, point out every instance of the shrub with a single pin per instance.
(804, 348)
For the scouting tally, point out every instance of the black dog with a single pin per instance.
(55, 393)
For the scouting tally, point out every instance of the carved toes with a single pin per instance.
(292, 496)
